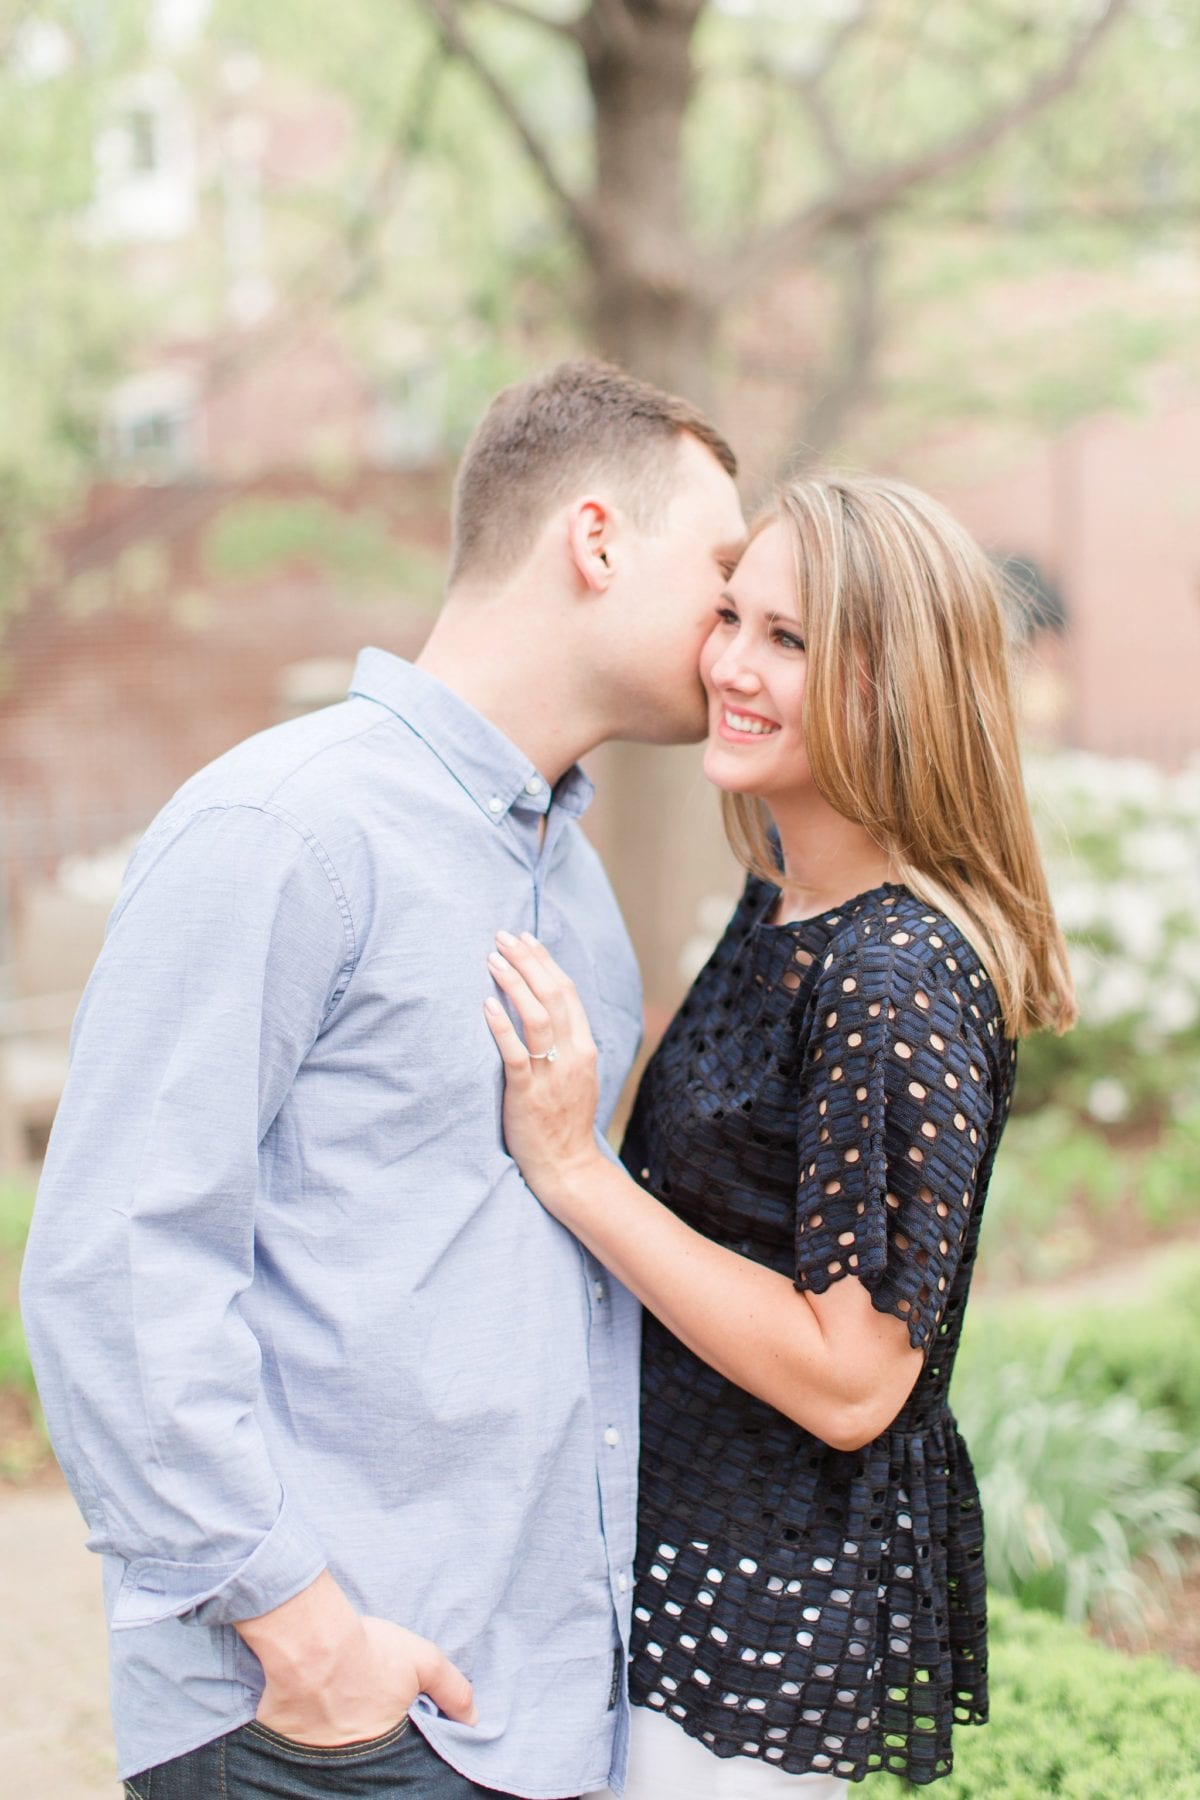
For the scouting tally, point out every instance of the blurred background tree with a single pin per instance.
(815, 218)
(64, 327)
(802, 204)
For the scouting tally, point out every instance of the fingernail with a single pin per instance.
(505, 937)
(473, 1716)
(496, 960)
(527, 937)
(493, 1006)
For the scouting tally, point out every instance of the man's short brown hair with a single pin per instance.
(541, 441)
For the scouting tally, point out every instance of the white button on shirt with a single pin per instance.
(598, 1290)
(534, 785)
(495, 804)
(612, 1436)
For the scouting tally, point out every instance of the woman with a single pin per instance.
(809, 1154)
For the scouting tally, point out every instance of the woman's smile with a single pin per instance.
(737, 726)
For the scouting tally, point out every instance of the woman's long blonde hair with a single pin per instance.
(910, 726)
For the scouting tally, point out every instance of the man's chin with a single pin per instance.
(682, 727)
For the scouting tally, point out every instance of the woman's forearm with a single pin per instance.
(749, 1322)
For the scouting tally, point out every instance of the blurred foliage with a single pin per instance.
(1064, 1188)
(1121, 841)
(433, 245)
(1083, 1422)
(16, 1205)
(254, 537)
(24, 1447)
(66, 317)
(1143, 1344)
(1071, 1720)
(1075, 1489)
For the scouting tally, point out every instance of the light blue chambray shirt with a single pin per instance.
(290, 1303)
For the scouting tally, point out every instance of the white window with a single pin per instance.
(146, 163)
(410, 417)
(151, 426)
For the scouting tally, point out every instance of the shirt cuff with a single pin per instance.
(281, 1566)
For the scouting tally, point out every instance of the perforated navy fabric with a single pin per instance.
(827, 1101)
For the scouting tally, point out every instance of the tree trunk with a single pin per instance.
(649, 309)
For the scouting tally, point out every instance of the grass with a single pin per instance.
(23, 1445)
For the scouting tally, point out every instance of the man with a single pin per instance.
(352, 1421)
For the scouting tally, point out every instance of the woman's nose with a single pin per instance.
(732, 670)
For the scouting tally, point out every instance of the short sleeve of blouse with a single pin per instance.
(894, 1115)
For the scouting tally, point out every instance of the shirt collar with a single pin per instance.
(485, 763)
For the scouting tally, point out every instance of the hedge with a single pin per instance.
(1071, 1718)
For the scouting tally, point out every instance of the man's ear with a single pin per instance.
(589, 542)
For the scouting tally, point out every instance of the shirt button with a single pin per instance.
(612, 1436)
(622, 1583)
(598, 1290)
(534, 785)
(495, 804)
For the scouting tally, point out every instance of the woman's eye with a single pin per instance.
(726, 615)
(787, 640)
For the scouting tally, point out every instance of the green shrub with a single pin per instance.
(24, 1445)
(1060, 1181)
(16, 1204)
(1075, 1490)
(1071, 1720)
(1082, 1426)
(1147, 1347)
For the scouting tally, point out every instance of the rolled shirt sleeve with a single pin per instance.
(229, 947)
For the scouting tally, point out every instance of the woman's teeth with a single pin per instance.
(742, 722)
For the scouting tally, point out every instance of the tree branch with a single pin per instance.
(445, 17)
(867, 197)
(565, 28)
(862, 330)
(607, 25)
(808, 85)
(851, 26)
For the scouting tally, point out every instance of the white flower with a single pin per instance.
(1136, 920)
(1160, 848)
(1172, 1011)
(1119, 992)
(1078, 902)
(1108, 1101)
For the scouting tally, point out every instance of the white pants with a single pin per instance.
(666, 1764)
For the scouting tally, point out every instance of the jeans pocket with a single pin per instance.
(328, 1753)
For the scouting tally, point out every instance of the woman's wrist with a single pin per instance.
(566, 1184)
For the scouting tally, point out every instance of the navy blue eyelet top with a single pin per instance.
(827, 1102)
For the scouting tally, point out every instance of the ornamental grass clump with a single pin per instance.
(1075, 1489)
(1145, 1345)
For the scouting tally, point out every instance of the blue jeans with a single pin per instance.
(255, 1763)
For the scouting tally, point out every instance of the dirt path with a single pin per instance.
(1122, 1279)
(54, 1733)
